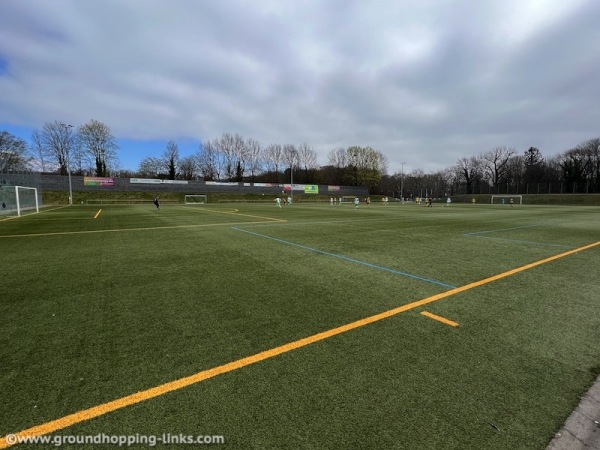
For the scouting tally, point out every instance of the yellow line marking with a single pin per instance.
(117, 230)
(105, 408)
(98, 213)
(439, 318)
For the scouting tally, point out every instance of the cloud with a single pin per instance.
(424, 82)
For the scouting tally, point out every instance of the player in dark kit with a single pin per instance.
(155, 201)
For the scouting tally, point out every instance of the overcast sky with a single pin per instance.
(425, 82)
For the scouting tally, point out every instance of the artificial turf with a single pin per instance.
(93, 310)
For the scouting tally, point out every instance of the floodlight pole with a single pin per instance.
(70, 186)
(402, 183)
(292, 178)
(69, 162)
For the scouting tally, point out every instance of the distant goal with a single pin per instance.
(16, 199)
(196, 199)
(505, 199)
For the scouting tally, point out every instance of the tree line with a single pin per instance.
(91, 149)
(62, 148)
(231, 157)
(502, 170)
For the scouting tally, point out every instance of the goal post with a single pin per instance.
(506, 199)
(18, 199)
(348, 199)
(196, 199)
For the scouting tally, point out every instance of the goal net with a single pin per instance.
(348, 198)
(506, 199)
(196, 199)
(16, 199)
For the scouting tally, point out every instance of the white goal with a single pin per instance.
(506, 199)
(348, 198)
(18, 199)
(196, 199)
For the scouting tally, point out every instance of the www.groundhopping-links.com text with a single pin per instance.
(57, 440)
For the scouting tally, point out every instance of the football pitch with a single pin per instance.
(307, 326)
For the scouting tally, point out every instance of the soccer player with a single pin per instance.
(156, 203)
(278, 202)
(356, 202)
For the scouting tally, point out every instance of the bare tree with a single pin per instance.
(515, 170)
(98, 146)
(338, 157)
(383, 163)
(290, 159)
(37, 151)
(58, 143)
(209, 160)
(307, 159)
(274, 157)
(415, 184)
(188, 167)
(470, 171)
(254, 155)
(13, 152)
(289, 155)
(233, 148)
(452, 180)
(171, 159)
(150, 167)
(81, 163)
(580, 166)
(591, 151)
(496, 164)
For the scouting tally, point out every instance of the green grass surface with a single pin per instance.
(96, 309)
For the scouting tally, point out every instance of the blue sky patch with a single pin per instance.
(3, 66)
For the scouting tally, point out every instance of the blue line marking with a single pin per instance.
(499, 229)
(523, 242)
(518, 241)
(345, 258)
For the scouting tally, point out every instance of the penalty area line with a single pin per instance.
(105, 408)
